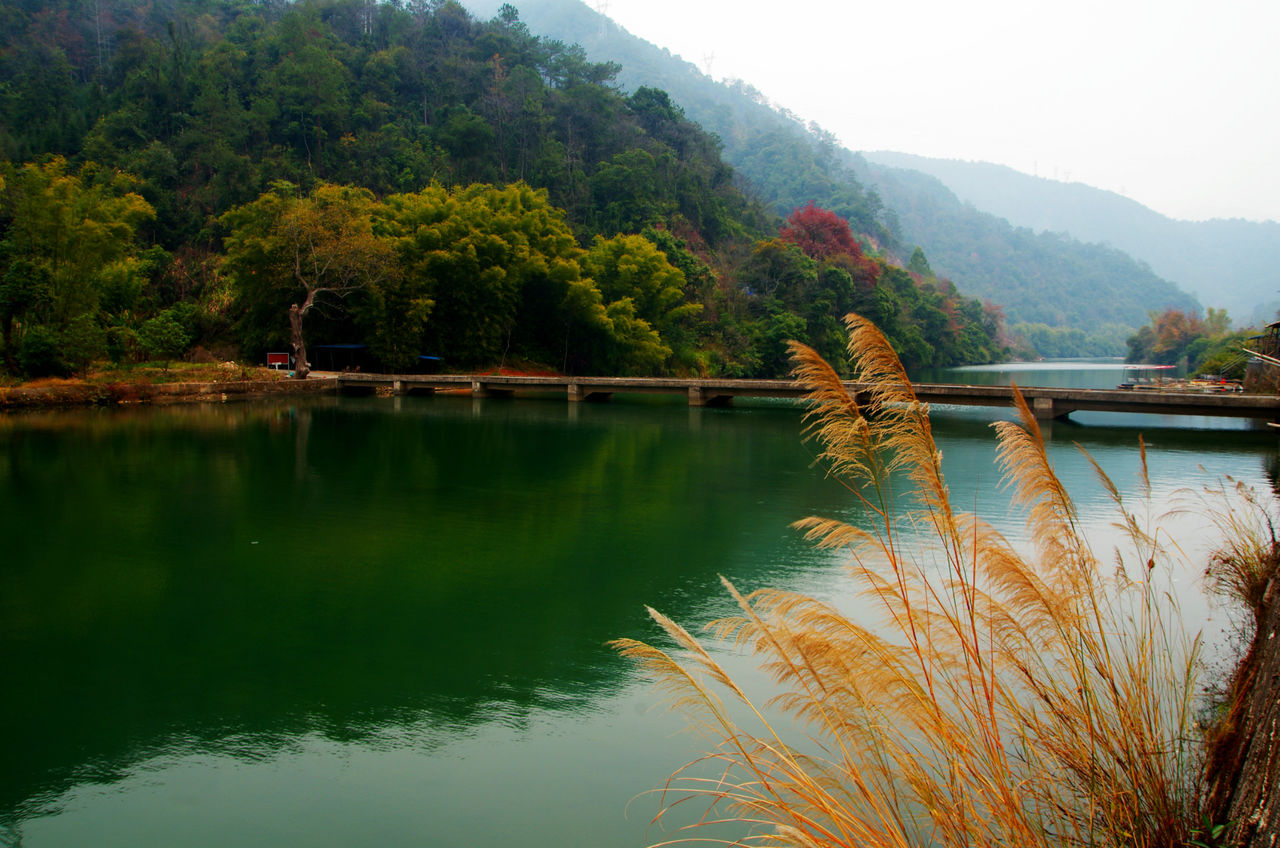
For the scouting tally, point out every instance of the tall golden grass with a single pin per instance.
(1005, 698)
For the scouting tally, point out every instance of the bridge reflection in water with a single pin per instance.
(1046, 402)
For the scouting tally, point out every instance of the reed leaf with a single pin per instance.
(1004, 698)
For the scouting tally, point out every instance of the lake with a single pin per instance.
(383, 620)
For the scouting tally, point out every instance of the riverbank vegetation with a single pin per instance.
(155, 372)
(417, 183)
(1002, 696)
(1072, 342)
(1203, 345)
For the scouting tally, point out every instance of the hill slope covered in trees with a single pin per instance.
(1045, 278)
(1056, 280)
(410, 179)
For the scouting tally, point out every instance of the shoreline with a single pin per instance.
(20, 398)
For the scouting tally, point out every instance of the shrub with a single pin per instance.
(40, 354)
(122, 344)
(82, 342)
(164, 337)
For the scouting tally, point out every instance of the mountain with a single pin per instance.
(1230, 264)
(1041, 278)
(1056, 280)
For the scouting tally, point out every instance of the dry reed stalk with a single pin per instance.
(1247, 560)
(1010, 700)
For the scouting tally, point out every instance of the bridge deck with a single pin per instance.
(1047, 402)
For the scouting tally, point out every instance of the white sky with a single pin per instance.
(1174, 103)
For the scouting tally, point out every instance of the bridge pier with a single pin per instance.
(1048, 408)
(577, 393)
(698, 396)
(480, 390)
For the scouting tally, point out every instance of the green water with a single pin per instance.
(382, 621)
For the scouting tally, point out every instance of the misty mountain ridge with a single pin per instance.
(1227, 263)
(1042, 277)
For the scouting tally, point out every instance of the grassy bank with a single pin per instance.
(148, 383)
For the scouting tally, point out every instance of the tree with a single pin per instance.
(82, 342)
(820, 233)
(41, 353)
(25, 288)
(70, 233)
(1174, 331)
(1216, 322)
(635, 347)
(1140, 345)
(633, 267)
(304, 251)
(633, 270)
(633, 190)
(780, 269)
(164, 337)
(919, 264)
(473, 252)
(309, 82)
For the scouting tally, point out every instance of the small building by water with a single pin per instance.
(1261, 376)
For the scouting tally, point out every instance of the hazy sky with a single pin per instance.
(1175, 103)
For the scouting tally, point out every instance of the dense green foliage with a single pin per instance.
(244, 178)
(786, 162)
(72, 266)
(1072, 342)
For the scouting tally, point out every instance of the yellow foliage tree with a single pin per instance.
(309, 249)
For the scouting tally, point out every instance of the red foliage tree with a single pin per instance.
(820, 233)
(1175, 330)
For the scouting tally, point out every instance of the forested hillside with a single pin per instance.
(207, 176)
(1045, 278)
(787, 163)
(1069, 288)
(1226, 264)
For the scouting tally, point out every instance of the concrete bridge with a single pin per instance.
(1046, 402)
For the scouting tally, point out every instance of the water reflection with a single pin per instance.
(338, 570)
(1067, 373)
(224, 602)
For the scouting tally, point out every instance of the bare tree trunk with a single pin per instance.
(301, 368)
(7, 336)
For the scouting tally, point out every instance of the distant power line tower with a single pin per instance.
(708, 59)
(602, 6)
(97, 25)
